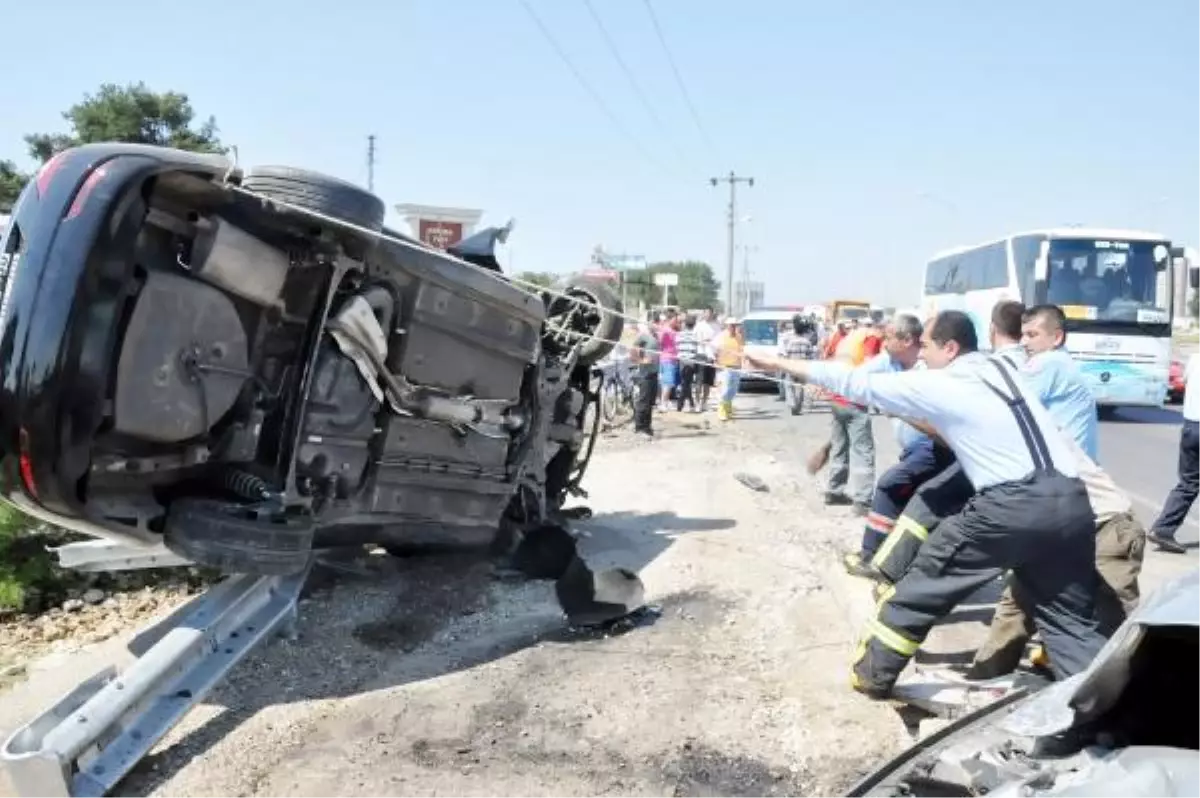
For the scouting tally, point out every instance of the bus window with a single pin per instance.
(1112, 280)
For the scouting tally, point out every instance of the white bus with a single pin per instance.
(1114, 286)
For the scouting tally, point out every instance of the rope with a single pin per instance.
(529, 289)
(682, 359)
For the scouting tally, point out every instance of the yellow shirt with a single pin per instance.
(729, 350)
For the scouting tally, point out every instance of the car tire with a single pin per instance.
(320, 193)
(222, 535)
(604, 325)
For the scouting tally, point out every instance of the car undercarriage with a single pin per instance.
(256, 368)
(235, 371)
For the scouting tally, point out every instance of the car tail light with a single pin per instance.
(46, 174)
(85, 191)
(25, 464)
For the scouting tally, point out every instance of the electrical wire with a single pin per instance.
(687, 97)
(591, 91)
(629, 76)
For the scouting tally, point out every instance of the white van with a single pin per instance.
(761, 329)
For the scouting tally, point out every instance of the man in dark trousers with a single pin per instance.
(643, 356)
(1030, 515)
(921, 458)
(1181, 497)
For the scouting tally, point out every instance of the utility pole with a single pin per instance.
(746, 250)
(732, 179)
(371, 162)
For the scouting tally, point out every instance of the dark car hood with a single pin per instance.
(1090, 693)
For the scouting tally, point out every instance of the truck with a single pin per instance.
(840, 310)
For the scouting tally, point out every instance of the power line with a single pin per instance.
(633, 82)
(587, 87)
(687, 97)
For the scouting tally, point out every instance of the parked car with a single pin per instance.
(1125, 726)
(243, 367)
(1175, 382)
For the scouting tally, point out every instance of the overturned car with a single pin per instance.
(245, 367)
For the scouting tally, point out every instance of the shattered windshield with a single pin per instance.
(1100, 280)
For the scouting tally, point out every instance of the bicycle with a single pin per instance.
(618, 391)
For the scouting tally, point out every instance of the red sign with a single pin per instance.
(611, 275)
(439, 234)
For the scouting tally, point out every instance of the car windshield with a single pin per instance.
(1108, 280)
(763, 332)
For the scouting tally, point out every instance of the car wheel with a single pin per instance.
(603, 326)
(312, 191)
(229, 537)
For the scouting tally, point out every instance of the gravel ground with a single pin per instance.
(432, 675)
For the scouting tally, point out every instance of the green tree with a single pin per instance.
(1193, 305)
(11, 183)
(131, 113)
(544, 279)
(24, 562)
(697, 285)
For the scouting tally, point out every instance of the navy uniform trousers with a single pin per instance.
(1041, 528)
(919, 463)
(940, 497)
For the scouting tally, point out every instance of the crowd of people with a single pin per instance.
(998, 476)
(678, 359)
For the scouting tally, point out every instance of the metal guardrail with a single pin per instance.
(94, 735)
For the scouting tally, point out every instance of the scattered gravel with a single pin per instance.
(439, 675)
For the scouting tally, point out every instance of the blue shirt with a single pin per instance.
(976, 424)
(907, 436)
(1013, 354)
(1058, 383)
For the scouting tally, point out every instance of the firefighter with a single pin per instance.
(945, 493)
(1030, 514)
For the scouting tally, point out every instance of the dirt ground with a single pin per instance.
(432, 675)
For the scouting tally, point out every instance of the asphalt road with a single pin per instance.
(1140, 449)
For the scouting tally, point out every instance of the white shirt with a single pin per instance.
(706, 333)
(975, 423)
(1191, 388)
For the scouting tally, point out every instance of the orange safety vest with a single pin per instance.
(852, 348)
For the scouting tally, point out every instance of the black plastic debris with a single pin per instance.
(643, 616)
(580, 513)
(545, 552)
(589, 599)
(594, 598)
(750, 481)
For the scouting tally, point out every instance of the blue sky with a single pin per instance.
(878, 132)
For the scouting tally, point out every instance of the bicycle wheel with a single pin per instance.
(610, 400)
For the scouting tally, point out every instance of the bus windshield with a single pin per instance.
(1109, 280)
(761, 332)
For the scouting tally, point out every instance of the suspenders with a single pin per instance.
(1034, 440)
